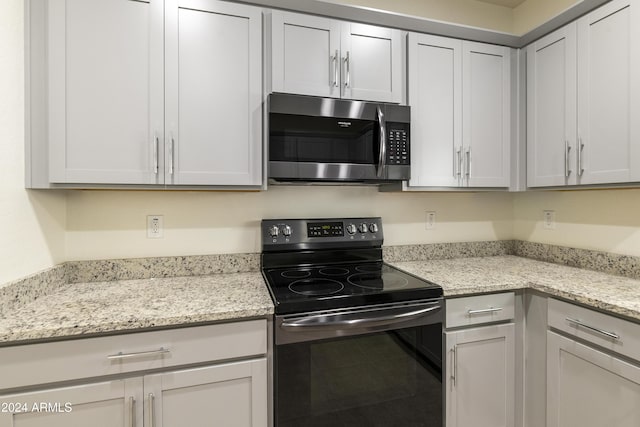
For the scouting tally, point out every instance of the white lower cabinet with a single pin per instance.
(101, 404)
(593, 368)
(589, 388)
(232, 394)
(145, 380)
(480, 377)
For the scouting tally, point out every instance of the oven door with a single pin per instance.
(380, 366)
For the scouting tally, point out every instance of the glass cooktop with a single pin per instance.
(312, 288)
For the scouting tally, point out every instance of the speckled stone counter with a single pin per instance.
(126, 305)
(467, 276)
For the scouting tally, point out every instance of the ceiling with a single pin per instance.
(507, 3)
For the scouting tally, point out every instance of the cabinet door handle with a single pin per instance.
(132, 411)
(151, 401)
(347, 62)
(467, 155)
(171, 155)
(334, 60)
(156, 143)
(122, 355)
(567, 166)
(454, 368)
(607, 334)
(457, 163)
(483, 311)
(580, 150)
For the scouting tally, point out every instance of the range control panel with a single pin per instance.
(309, 233)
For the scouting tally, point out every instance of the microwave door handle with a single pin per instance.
(383, 142)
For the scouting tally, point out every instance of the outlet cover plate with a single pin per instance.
(155, 226)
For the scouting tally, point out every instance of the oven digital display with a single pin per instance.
(325, 229)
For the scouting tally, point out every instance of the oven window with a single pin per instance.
(384, 379)
(322, 139)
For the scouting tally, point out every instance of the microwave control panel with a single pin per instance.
(397, 144)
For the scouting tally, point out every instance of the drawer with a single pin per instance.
(52, 362)
(612, 333)
(480, 309)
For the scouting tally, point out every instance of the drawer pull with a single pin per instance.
(611, 335)
(122, 355)
(483, 311)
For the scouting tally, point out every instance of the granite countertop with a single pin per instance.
(127, 305)
(467, 276)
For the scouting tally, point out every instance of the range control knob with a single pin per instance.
(363, 228)
(274, 231)
(286, 231)
(351, 229)
(373, 227)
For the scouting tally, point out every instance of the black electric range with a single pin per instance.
(357, 341)
(315, 264)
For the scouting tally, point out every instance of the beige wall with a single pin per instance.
(532, 13)
(607, 220)
(110, 224)
(31, 223)
(519, 20)
(466, 12)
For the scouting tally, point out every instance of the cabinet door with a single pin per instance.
(480, 377)
(551, 109)
(214, 93)
(233, 394)
(435, 97)
(106, 404)
(305, 54)
(372, 63)
(608, 94)
(588, 388)
(486, 115)
(105, 71)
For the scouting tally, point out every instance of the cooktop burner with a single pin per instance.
(324, 264)
(316, 287)
(378, 281)
(336, 286)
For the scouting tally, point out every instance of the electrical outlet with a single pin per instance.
(431, 220)
(549, 220)
(155, 227)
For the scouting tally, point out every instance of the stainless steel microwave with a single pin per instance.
(318, 140)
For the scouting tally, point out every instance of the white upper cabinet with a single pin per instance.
(460, 102)
(435, 97)
(583, 88)
(608, 94)
(486, 114)
(318, 56)
(551, 108)
(146, 93)
(214, 93)
(372, 59)
(105, 82)
(306, 54)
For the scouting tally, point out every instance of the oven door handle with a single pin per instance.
(355, 320)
